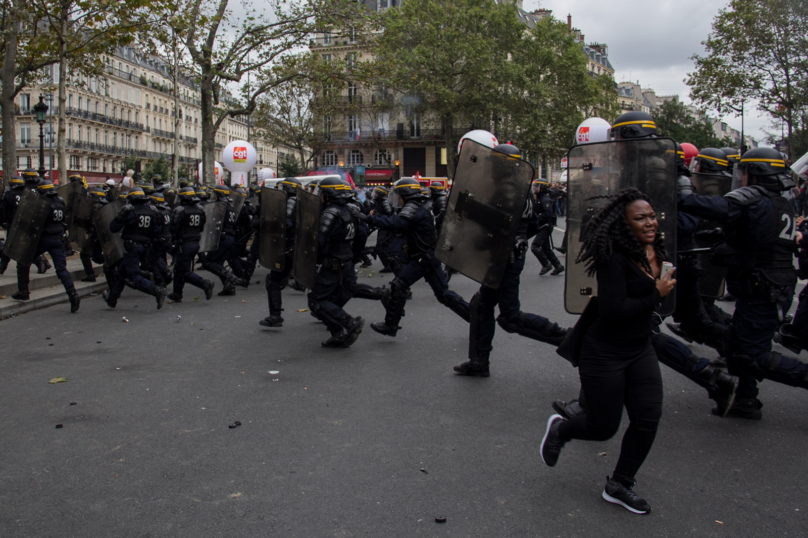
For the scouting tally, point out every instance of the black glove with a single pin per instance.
(125, 210)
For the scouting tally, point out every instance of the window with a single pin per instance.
(70, 100)
(355, 158)
(382, 122)
(350, 61)
(327, 126)
(327, 58)
(327, 38)
(352, 93)
(96, 136)
(147, 123)
(415, 126)
(70, 131)
(114, 140)
(352, 34)
(25, 102)
(353, 124)
(137, 143)
(382, 157)
(25, 133)
(75, 162)
(106, 138)
(329, 158)
(88, 104)
(106, 110)
(114, 112)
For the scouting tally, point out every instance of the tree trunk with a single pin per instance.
(175, 162)
(61, 139)
(208, 132)
(451, 149)
(7, 95)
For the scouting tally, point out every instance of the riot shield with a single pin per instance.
(273, 229)
(597, 171)
(170, 197)
(214, 217)
(708, 233)
(69, 192)
(483, 213)
(307, 223)
(111, 243)
(711, 185)
(80, 220)
(23, 236)
(238, 199)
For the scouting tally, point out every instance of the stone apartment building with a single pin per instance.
(128, 111)
(379, 135)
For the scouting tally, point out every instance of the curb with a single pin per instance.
(57, 297)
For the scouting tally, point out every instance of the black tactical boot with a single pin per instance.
(42, 265)
(335, 340)
(89, 278)
(175, 297)
(383, 328)
(207, 285)
(352, 330)
(474, 367)
(243, 282)
(678, 330)
(790, 339)
(21, 295)
(558, 270)
(229, 287)
(744, 408)
(545, 269)
(160, 295)
(720, 387)
(271, 321)
(75, 300)
(112, 303)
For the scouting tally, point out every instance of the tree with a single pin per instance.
(674, 121)
(81, 32)
(449, 58)
(159, 166)
(554, 91)
(225, 50)
(757, 51)
(288, 166)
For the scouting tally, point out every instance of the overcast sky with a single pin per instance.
(650, 42)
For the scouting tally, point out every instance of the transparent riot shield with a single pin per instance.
(713, 279)
(597, 171)
(393, 198)
(26, 228)
(111, 243)
(238, 198)
(214, 218)
(273, 229)
(711, 185)
(170, 196)
(483, 213)
(80, 223)
(307, 229)
(69, 192)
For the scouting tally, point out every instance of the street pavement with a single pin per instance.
(376, 440)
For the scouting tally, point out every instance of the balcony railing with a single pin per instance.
(94, 116)
(163, 134)
(349, 99)
(393, 134)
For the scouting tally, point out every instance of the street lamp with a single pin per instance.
(41, 111)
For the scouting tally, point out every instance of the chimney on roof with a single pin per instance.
(569, 21)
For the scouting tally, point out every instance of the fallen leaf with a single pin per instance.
(2, 296)
(243, 301)
(602, 454)
(719, 522)
(303, 310)
(58, 380)
(196, 298)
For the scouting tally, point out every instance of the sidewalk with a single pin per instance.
(46, 290)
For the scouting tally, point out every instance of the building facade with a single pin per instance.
(127, 112)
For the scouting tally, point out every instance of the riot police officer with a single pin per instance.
(187, 223)
(8, 208)
(438, 193)
(546, 221)
(336, 277)
(32, 179)
(761, 240)
(92, 251)
(482, 325)
(275, 280)
(156, 254)
(417, 223)
(214, 261)
(380, 205)
(138, 224)
(51, 241)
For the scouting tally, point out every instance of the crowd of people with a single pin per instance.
(312, 236)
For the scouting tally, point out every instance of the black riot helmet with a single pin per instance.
(766, 167)
(710, 161)
(29, 175)
(290, 186)
(437, 189)
(255, 190)
(157, 180)
(509, 149)
(136, 195)
(732, 156)
(633, 124)
(97, 192)
(544, 186)
(201, 193)
(46, 187)
(183, 182)
(147, 188)
(16, 181)
(408, 188)
(157, 198)
(333, 189)
(222, 193)
(75, 177)
(187, 195)
(380, 192)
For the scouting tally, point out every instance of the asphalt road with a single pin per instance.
(376, 440)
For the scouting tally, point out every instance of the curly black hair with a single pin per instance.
(608, 230)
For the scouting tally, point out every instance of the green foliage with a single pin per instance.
(757, 51)
(129, 163)
(289, 167)
(674, 121)
(554, 91)
(161, 166)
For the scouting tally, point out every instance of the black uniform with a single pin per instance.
(545, 211)
(187, 223)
